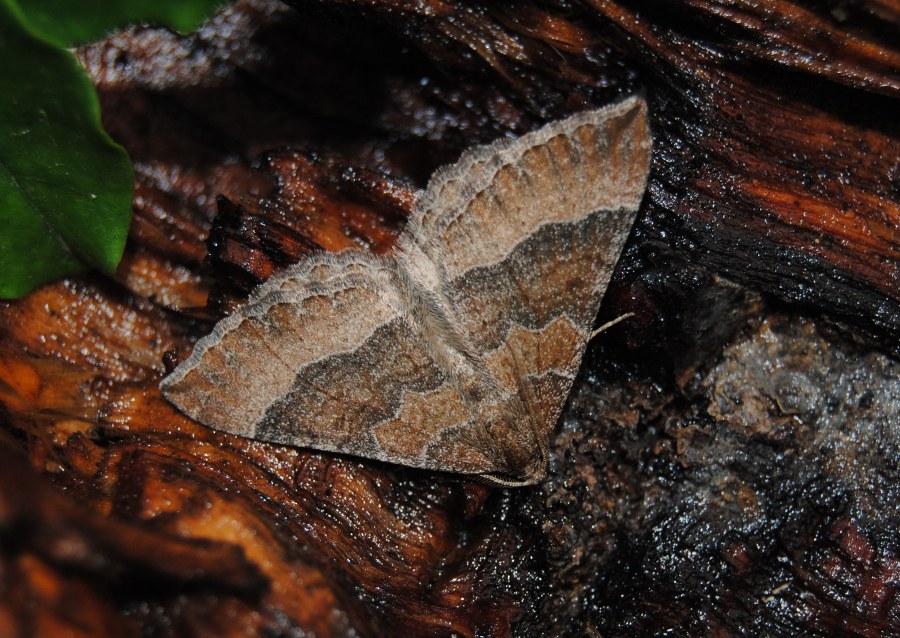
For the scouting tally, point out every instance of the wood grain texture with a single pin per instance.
(659, 516)
(457, 352)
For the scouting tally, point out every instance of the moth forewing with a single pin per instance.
(458, 352)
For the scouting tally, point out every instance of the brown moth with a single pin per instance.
(456, 352)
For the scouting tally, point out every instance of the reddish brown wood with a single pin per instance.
(772, 218)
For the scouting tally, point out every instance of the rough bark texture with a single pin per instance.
(728, 463)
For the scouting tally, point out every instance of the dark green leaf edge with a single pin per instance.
(71, 23)
(52, 242)
(65, 186)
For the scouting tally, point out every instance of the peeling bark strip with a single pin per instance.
(457, 352)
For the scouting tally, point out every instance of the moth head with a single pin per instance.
(534, 472)
(520, 454)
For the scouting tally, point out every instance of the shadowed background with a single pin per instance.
(728, 461)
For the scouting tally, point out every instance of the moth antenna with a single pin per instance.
(609, 324)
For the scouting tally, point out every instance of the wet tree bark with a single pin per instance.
(728, 462)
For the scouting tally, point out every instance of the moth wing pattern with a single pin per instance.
(528, 250)
(457, 352)
(323, 356)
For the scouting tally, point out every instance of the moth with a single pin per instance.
(457, 351)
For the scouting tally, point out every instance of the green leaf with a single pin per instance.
(65, 186)
(77, 21)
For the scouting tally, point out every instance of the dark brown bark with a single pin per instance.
(728, 463)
